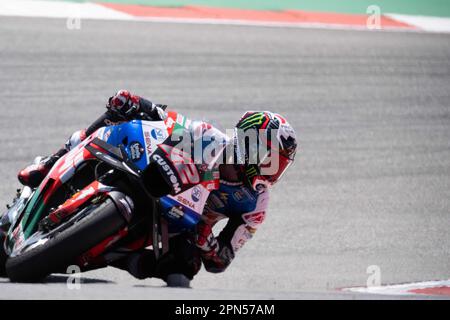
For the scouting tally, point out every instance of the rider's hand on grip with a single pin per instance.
(123, 103)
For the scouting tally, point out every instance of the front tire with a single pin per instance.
(62, 250)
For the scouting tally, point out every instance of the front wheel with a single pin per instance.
(58, 252)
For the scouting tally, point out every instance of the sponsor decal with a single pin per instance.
(240, 237)
(180, 119)
(183, 164)
(185, 202)
(148, 143)
(252, 120)
(172, 177)
(136, 151)
(15, 234)
(112, 123)
(158, 134)
(196, 194)
(107, 157)
(65, 167)
(170, 121)
(253, 219)
(107, 134)
(224, 197)
(211, 217)
(176, 212)
(243, 194)
(211, 185)
(218, 204)
(238, 195)
(83, 194)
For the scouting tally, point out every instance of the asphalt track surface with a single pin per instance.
(371, 182)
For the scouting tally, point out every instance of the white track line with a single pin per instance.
(54, 9)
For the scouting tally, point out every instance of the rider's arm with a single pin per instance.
(108, 118)
(217, 253)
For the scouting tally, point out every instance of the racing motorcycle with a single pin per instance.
(124, 188)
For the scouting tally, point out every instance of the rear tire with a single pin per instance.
(62, 250)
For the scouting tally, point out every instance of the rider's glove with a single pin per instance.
(151, 111)
(205, 240)
(124, 104)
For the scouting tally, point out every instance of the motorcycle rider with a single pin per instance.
(242, 197)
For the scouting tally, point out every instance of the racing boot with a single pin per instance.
(139, 264)
(33, 175)
(144, 265)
